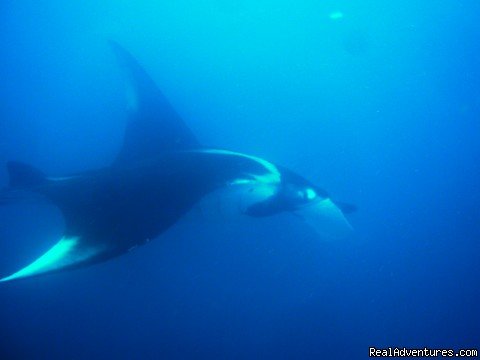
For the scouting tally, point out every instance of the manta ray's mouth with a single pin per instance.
(326, 219)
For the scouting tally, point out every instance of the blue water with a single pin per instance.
(376, 101)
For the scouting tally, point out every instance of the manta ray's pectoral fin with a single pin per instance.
(69, 252)
(153, 126)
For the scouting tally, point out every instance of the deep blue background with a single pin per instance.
(380, 106)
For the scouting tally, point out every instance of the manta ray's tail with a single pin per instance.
(9, 196)
(22, 177)
(73, 250)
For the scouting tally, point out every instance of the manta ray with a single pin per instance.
(161, 172)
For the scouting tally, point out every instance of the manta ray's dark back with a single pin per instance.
(161, 172)
(153, 125)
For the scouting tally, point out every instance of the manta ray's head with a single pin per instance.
(311, 203)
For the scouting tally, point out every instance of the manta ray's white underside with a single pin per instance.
(65, 253)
